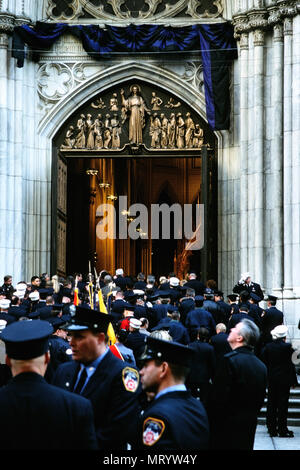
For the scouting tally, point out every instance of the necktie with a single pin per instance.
(80, 384)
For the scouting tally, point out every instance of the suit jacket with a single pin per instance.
(204, 363)
(220, 345)
(272, 318)
(115, 406)
(277, 356)
(200, 318)
(238, 393)
(39, 416)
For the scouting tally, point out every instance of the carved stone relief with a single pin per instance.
(135, 116)
(139, 10)
(56, 79)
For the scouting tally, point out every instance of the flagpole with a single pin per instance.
(91, 287)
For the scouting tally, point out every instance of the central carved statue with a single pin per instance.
(135, 107)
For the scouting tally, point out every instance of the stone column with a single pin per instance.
(256, 165)
(244, 125)
(276, 193)
(3, 152)
(295, 186)
(287, 157)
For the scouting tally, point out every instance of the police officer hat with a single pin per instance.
(255, 297)
(26, 339)
(169, 351)
(272, 298)
(44, 293)
(198, 297)
(130, 295)
(232, 297)
(57, 322)
(85, 318)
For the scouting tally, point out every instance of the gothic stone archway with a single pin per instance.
(98, 135)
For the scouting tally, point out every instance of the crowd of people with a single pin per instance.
(133, 362)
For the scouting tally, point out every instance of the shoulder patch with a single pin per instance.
(152, 430)
(131, 379)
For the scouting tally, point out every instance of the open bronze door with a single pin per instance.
(59, 215)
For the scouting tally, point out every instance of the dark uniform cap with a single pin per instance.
(232, 297)
(27, 339)
(209, 296)
(45, 292)
(57, 322)
(165, 293)
(169, 351)
(85, 318)
(255, 297)
(219, 293)
(153, 296)
(198, 297)
(130, 295)
(272, 298)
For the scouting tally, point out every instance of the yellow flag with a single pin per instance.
(102, 308)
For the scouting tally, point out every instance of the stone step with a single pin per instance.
(293, 410)
(290, 421)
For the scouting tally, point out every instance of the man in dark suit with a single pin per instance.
(277, 356)
(203, 367)
(199, 317)
(110, 384)
(271, 318)
(173, 420)
(194, 283)
(226, 309)
(219, 341)
(238, 391)
(186, 303)
(135, 340)
(35, 414)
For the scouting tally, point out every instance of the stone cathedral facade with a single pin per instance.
(256, 196)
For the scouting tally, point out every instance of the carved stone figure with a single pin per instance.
(90, 144)
(155, 129)
(113, 103)
(164, 131)
(198, 136)
(135, 106)
(107, 132)
(171, 104)
(80, 138)
(189, 131)
(99, 104)
(156, 102)
(115, 132)
(69, 139)
(180, 131)
(172, 131)
(98, 126)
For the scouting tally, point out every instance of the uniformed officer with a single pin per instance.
(35, 414)
(277, 356)
(173, 420)
(245, 283)
(110, 384)
(271, 318)
(59, 347)
(238, 391)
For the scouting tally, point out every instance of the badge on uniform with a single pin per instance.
(130, 379)
(152, 431)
